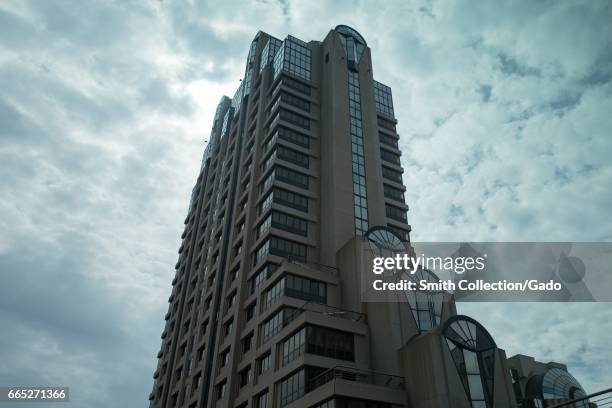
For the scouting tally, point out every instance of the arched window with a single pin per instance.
(426, 305)
(385, 243)
(382, 239)
(353, 44)
(350, 32)
(473, 352)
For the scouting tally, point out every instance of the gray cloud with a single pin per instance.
(104, 106)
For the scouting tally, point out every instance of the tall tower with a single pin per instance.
(302, 170)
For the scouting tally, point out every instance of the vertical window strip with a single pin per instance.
(357, 150)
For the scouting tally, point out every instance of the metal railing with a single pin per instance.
(332, 311)
(357, 375)
(599, 399)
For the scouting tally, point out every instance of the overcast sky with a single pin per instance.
(505, 116)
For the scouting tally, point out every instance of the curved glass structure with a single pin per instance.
(556, 384)
(353, 43)
(426, 305)
(473, 352)
(350, 32)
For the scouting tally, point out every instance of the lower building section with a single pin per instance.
(456, 364)
(307, 339)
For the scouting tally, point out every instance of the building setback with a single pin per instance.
(300, 185)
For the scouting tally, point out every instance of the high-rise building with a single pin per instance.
(300, 185)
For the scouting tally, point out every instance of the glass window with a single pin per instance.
(265, 204)
(275, 323)
(383, 99)
(248, 77)
(294, 56)
(475, 385)
(231, 300)
(261, 400)
(471, 362)
(293, 387)
(281, 247)
(267, 183)
(235, 272)
(386, 124)
(321, 341)
(331, 403)
(295, 101)
(331, 343)
(294, 118)
(291, 199)
(230, 113)
(287, 249)
(221, 388)
(289, 223)
(228, 327)
(267, 163)
(261, 276)
(287, 176)
(203, 327)
(293, 136)
(390, 157)
(263, 363)
(396, 213)
(394, 193)
(559, 384)
(265, 225)
(297, 384)
(293, 156)
(403, 234)
(296, 85)
(245, 376)
(247, 343)
(249, 312)
(357, 158)
(388, 140)
(305, 288)
(473, 352)
(274, 293)
(268, 52)
(287, 154)
(296, 287)
(293, 347)
(201, 353)
(224, 358)
(262, 252)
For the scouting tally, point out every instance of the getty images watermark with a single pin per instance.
(488, 272)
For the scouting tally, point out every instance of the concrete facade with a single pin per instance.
(267, 305)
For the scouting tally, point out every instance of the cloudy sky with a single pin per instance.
(505, 122)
